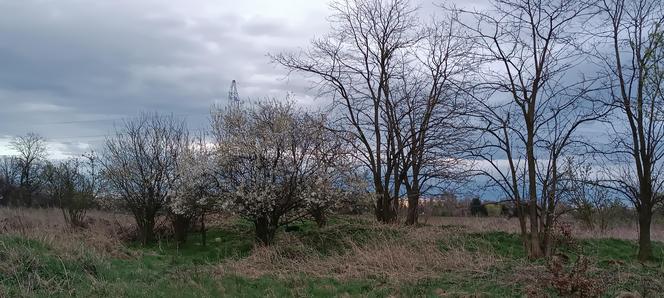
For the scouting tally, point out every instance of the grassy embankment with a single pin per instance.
(350, 257)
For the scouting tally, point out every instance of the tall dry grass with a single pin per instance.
(393, 253)
(106, 230)
(502, 224)
(413, 255)
(104, 234)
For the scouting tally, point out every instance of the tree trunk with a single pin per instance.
(203, 232)
(146, 229)
(385, 212)
(645, 244)
(265, 230)
(548, 213)
(319, 216)
(378, 210)
(413, 208)
(535, 249)
(181, 227)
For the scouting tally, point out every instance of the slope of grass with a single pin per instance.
(32, 268)
(221, 243)
(29, 267)
(339, 234)
(500, 243)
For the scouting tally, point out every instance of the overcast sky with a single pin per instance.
(70, 69)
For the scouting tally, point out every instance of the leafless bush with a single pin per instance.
(563, 236)
(574, 280)
(72, 188)
(140, 166)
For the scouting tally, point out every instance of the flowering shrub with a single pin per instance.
(275, 164)
(195, 191)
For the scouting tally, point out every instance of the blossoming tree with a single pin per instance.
(195, 191)
(273, 161)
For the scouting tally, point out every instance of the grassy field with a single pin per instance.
(351, 257)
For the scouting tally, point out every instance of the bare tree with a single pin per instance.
(360, 62)
(140, 166)
(433, 127)
(634, 63)
(73, 188)
(31, 150)
(530, 104)
(393, 92)
(9, 177)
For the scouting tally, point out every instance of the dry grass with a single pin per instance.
(415, 255)
(471, 224)
(107, 231)
(104, 235)
(394, 255)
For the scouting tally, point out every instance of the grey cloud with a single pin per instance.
(70, 68)
(74, 60)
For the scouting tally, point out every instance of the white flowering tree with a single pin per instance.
(195, 191)
(332, 186)
(270, 163)
(321, 196)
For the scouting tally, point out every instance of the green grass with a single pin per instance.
(235, 242)
(605, 250)
(32, 268)
(619, 250)
(499, 243)
(338, 234)
(609, 256)
(28, 265)
(169, 270)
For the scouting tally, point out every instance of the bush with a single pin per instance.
(494, 210)
(277, 162)
(139, 161)
(477, 209)
(72, 189)
(574, 280)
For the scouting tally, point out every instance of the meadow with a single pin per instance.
(351, 257)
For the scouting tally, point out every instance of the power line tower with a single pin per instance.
(233, 95)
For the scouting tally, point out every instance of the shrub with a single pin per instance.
(276, 163)
(140, 165)
(493, 210)
(476, 208)
(573, 280)
(72, 189)
(195, 191)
